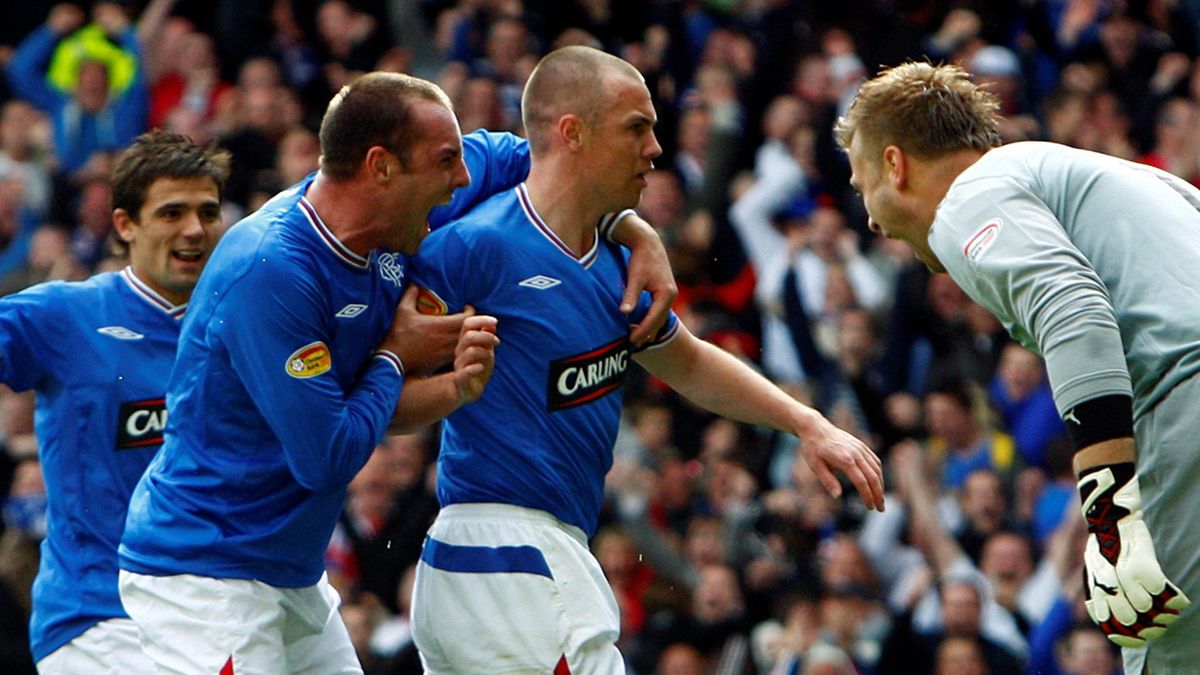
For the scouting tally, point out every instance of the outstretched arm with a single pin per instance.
(716, 380)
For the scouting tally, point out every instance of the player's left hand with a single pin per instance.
(1128, 595)
(475, 357)
(828, 448)
(649, 270)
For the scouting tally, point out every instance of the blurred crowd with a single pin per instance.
(725, 553)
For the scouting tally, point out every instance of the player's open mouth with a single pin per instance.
(189, 256)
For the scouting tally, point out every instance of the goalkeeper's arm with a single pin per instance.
(1128, 595)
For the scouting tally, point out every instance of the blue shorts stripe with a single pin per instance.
(484, 559)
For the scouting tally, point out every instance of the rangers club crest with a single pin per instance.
(390, 269)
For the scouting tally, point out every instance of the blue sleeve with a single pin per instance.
(1043, 636)
(496, 162)
(668, 329)
(24, 348)
(27, 70)
(446, 273)
(273, 325)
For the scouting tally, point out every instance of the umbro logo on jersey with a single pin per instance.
(540, 282)
(120, 333)
(351, 310)
(390, 269)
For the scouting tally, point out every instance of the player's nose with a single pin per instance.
(462, 176)
(654, 149)
(192, 227)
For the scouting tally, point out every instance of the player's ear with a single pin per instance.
(379, 163)
(895, 166)
(125, 225)
(571, 130)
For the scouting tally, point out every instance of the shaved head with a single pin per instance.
(572, 80)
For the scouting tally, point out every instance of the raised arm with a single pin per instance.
(716, 380)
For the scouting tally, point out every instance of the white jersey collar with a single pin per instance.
(527, 204)
(339, 249)
(151, 296)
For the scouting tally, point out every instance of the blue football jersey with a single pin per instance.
(277, 398)
(541, 436)
(97, 353)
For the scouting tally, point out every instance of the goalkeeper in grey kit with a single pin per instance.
(1094, 262)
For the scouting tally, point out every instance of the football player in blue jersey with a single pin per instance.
(506, 583)
(292, 363)
(97, 353)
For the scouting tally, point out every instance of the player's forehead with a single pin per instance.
(438, 128)
(194, 191)
(631, 101)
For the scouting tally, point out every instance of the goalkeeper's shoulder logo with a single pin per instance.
(309, 361)
(983, 239)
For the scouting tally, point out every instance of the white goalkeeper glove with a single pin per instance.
(1128, 595)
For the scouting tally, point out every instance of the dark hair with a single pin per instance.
(374, 109)
(163, 154)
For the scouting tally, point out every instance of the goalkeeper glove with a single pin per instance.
(1128, 595)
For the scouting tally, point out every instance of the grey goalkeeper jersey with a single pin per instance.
(1092, 261)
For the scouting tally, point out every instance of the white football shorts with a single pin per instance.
(110, 647)
(502, 589)
(193, 624)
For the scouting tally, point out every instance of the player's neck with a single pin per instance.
(346, 209)
(174, 297)
(557, 199)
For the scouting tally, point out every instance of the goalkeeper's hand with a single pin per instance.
(1128, 595)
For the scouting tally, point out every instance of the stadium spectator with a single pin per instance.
(87, 118)
(1022, 396)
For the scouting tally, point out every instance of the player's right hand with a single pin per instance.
(475, 357)
(828, 449)
(1128, 596)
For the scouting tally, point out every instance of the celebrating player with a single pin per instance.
(1091, 261)
(290, 368)
(506, 582)
(97, 352)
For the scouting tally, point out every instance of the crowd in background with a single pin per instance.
(724, 551)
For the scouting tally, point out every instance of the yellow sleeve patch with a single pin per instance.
(428, 302)
(309, 361)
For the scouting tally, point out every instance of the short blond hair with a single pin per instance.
(925, 109)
